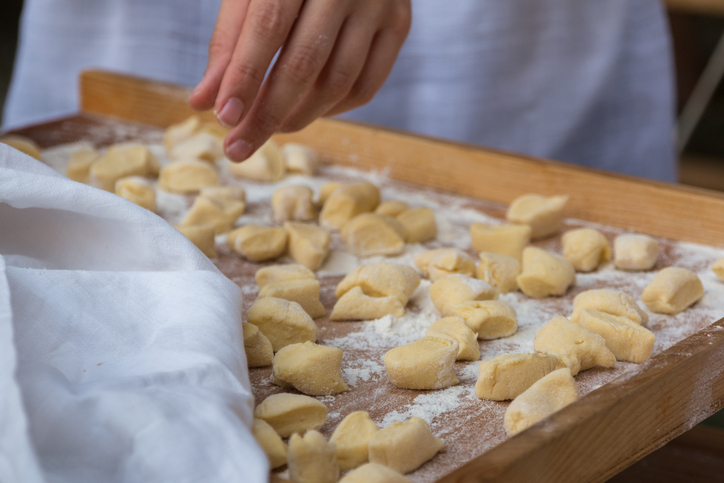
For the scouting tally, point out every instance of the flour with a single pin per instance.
(361, 370)
(469, 426)
(429, 406)
(57, 157)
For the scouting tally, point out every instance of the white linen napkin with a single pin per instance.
(121, 356)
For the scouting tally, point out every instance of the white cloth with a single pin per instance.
(588, 82)
(583, 81)
(164, 40)
(130, 363)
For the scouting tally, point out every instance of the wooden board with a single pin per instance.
(611, 427)
(626, 202)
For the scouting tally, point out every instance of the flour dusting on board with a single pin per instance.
(468, 426)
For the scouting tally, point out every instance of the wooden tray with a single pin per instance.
(609, 428)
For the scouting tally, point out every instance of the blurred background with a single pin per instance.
(697, 27)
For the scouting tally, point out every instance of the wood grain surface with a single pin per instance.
(613, 426)
(659, 209)
(617, 425)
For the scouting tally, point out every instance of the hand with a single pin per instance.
(335, 55)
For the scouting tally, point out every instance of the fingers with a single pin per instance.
(337, 77)
(266, 27)
(221, 47)
(383, 52)
(295, 71)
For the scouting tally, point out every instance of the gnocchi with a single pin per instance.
(312, 459)
(672, 290)
(546, 396)
(543, 214)
(507, 240)
(291, 413)
(447, 292)
(404, 446)
(426, 363)
(585, 248)
(545, 274)
(309, 368)
(282, 322)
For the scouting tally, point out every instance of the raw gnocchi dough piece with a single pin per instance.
(404, 446)
(186, 176)
(635, 252)
(585, 248)
(508, 376)
(309, 368)
(582, 348)
(291, 413)
(447, 292)
(418, 224)
(545, 274)
(282, 273)
(219, 213)
(440, 263)
(22, 144)
(270, 442)
(303, 292)
(501, 239)
(308, 244)
(202, 146)
(326, 190)
(230, 193)
(718, 268)
(356, 305)
(282, 322)
(311, 459)
(610, 301)
(258, 243)
(266, 164)
(543, 214)
(381, 280)
(500, 271)
(300, 159)
(455, 329)
(373, 472)
(293, 202)
(215, 129)
(370, 235)
(548, 395)
(200, 235)
(180, 132)
(346, 202)
(121, 161)
(426, 363)
(629, 341)
(352, 437)
(80, 163)
(672, 290)
(392, 208)
(137, 190)
(258, 349)
(490, 319)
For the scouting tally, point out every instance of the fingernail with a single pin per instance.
(230, 114)
(238, 151)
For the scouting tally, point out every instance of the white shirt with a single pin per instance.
(583, 81)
